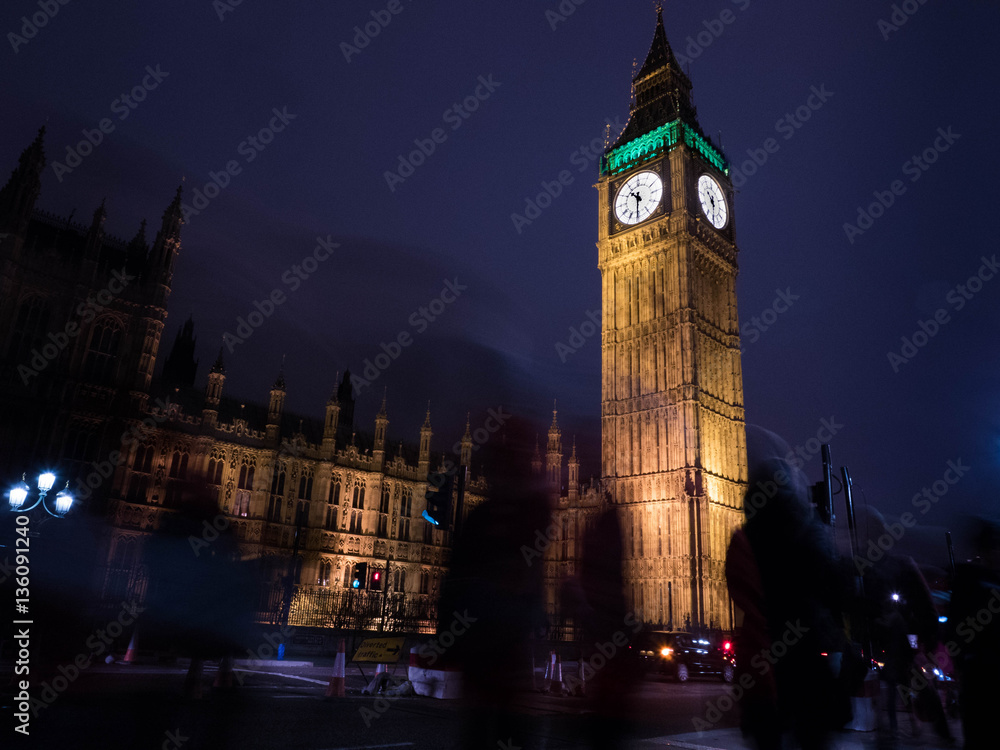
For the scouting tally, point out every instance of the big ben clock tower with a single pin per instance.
(673, 434)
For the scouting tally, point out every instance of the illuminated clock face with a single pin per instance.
(713, 202)
(638, 197)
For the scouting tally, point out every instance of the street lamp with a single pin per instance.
(18, 496)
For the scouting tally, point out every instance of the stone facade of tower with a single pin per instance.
(673, 433)
(81, 315)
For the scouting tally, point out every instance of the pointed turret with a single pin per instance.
(553, 454)
(466, 451)
(330, 422)
(136, 254)
(181, 367)
(574, 475)
(381, 425)
(95, 234)
(275, 406)
(167, 244)
(18, 196)
(662, 91)
(424, 458)
(213, 393)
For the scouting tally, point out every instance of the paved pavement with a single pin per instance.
(732, 739)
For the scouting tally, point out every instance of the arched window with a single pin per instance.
(400, 580)
(29, 329)
(305, 487)
(278, 480)
(178, 465)
(334, 496)
(215, 470)
(81, 443)
(100, 361)
(324, 573)
(142, 467)
(277, 491)
(143, 459)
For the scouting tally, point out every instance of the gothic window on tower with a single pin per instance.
(428, 534)
(99, 363)
(30, 327)
(215, 465)
(356, 517)
(425, 582)
(334, 496)
(383, 512)
(405, 510)
(400, 580)
(277, 493)
(242, 505)
(81, 443)
(178, 465)
(305, 486)
(244, 488)
(359, 496)
(330, 523)
(324, 574)
(142, 468)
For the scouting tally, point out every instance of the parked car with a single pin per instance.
(683, 656)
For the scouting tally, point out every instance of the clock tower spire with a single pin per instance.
(673, 435)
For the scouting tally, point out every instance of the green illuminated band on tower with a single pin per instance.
(650, 145)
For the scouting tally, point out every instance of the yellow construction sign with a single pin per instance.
(379, 650)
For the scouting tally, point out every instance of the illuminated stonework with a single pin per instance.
(673, 433)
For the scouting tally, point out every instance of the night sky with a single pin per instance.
(548, 82)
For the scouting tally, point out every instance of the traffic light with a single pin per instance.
(439, 491)
(360, 579)
(376, 580)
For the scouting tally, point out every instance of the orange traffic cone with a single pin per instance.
(377, 685)
(133, 645)
(336, 687)
(555, 679)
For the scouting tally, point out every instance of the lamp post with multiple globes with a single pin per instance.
(18, 496)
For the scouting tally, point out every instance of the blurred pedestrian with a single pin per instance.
(802, 593)
(975, 628)
(605, 619)
(904, 629)
(498, 588)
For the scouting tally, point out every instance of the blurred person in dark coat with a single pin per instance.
(605, 619)
(803, 590)
(975, 626)
(199, 596)
(496, 584)
(902, 607)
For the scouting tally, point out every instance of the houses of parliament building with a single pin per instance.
(81, 320)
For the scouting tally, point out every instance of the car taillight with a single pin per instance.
(726, 646)
(666, 651)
